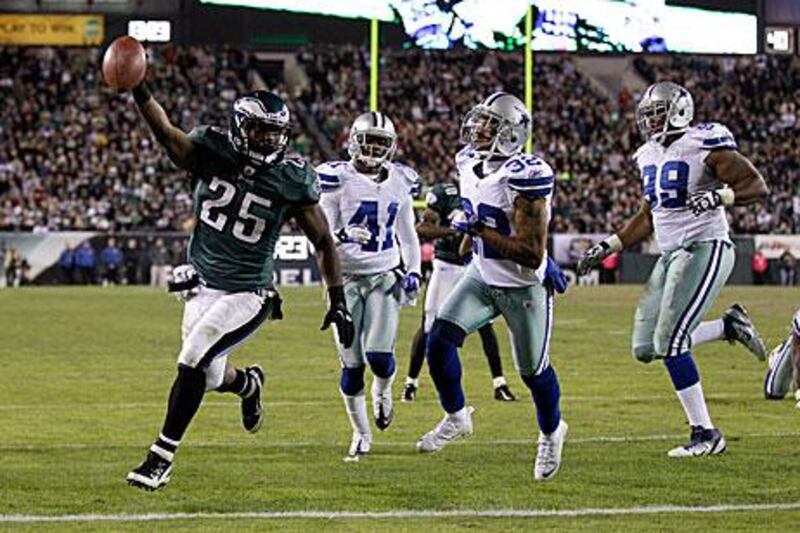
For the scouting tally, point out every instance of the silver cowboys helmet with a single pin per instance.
(665, 107)
(500, 125)
(373, 140)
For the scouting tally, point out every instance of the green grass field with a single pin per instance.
(85, 375)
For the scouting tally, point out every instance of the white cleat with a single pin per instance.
(548, 454)
(702, 442)
(452, 427)
(797, 398)
(359, 447)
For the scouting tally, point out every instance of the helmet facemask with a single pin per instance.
(259, 135)
(659, 115)
(372, 148)
(490, 134)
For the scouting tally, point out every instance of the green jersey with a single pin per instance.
(239, 211)
(444, 198)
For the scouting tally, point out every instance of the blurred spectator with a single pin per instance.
(788, 264)
(112, 260)
(66, 265)
(86, 264)
(159, 264)
(135, 259)
(11, 263)
(760, 266)
(76, 155)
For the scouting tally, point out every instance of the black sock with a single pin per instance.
(417, 353)
(492, 350)
(243, 385)
(184, 401)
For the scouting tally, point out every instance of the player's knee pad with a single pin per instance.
(196, 346)
(381, 363)
(352, 381)
(445, 332)
(644, 353)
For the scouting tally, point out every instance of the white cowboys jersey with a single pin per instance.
(671, 174)
(491, 194)
(384, 207)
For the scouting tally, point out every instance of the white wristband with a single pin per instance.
(727, 195)
(614, 243)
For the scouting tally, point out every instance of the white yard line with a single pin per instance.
(600, 439)
(466, 513)
(756, 395)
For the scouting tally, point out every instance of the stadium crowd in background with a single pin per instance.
(74, 155)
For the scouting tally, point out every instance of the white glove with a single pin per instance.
(356, 234)
(183, 274)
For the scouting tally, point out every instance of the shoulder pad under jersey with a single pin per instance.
(410, 176)
(711, 136)
(529, 176)
(331, 175)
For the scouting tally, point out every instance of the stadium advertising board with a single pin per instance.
(560, 25)
(60, 30)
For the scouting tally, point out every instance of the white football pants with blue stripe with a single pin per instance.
(215, 322)
(528, 312)
(375, 309)
(780, 376)
(682, 288)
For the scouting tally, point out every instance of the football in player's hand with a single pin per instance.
(124, 64)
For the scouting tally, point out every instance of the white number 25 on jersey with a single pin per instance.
(211, 212)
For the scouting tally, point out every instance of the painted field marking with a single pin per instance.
(600, 439)
(378, 515)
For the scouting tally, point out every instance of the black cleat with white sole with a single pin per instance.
(252, 408)
(152, 474)
(703, 441)
(383, 416)
(504, 394)
(740, 328)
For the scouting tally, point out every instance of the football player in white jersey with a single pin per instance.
(784, 366)
(368, 204)
(506, 199)
(689, 175)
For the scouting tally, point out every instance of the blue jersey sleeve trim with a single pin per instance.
(329, 178)
(719, 142)
(526, 183)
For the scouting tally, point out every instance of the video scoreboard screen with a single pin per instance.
(560, 25)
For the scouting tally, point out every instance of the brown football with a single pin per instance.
(124, 63)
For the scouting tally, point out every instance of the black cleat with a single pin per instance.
(740, 328)
(409, 393)
(384, 414)
(504, 394)
(152, 474)
(252, 409)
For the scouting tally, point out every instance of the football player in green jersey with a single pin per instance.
(245, 188)
(442, 201)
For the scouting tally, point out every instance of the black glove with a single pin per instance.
(593, 257)
(705, 201)
(339, 316)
